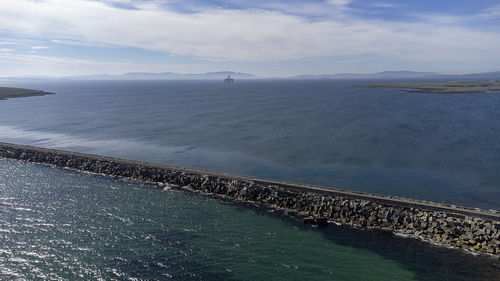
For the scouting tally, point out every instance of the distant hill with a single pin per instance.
(165, 76)
(473, 76)
(403, 75)
(219, 75)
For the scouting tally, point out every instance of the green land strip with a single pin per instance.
(7, 93)
(455, 87)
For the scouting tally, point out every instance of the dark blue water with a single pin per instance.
(433, 147)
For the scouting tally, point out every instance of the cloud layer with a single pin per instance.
(252, 34)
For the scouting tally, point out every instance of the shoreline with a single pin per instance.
(472, 229)
(9, 93)
(455, 87)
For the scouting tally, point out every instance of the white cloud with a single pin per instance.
(9, 43)
(490, 14)
(383, 5)
(6, 50)
(39, 47)
(493, 12)
(243, 35)
(35, 59)
(16, 64)
(340, 2)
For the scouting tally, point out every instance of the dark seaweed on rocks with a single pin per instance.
(444, 226)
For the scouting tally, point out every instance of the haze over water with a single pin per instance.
(432, 147)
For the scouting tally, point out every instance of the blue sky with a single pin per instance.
(273, 38)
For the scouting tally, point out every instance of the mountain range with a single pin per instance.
(384, 75)
(165, 76)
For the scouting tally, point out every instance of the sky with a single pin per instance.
(271, 38)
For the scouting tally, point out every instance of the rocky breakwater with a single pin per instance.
(471, 229)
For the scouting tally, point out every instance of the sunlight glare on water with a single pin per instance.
(61, 224)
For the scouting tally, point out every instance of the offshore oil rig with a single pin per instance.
(229, 79)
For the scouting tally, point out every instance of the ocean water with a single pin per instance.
(58, 224)
(443, 148)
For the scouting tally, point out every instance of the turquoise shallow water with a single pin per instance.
(433, 147)
(60, 224)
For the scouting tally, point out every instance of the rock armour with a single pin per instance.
(474, 233)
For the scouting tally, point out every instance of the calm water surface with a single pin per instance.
(59, 224)
(433, 147)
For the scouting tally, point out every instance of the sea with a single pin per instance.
(58, 224)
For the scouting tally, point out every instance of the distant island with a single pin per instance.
(379, 76)
(7, 93)
(455, 87)
(405, 74)
(165, 76)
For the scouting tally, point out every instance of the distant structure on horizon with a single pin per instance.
(229, 79)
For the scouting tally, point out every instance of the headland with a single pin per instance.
(8, 93)
(454, 87)
(472, 229)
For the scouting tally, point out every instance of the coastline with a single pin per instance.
(9, 93)
(472, 229)
(455, 87)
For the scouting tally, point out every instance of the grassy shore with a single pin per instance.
(7, 93)
(455, 87)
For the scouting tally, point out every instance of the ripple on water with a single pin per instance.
(61, 224)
